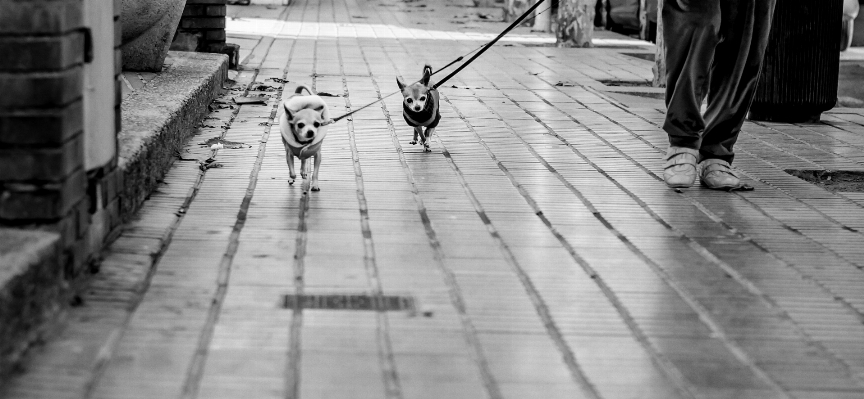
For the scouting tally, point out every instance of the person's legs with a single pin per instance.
(734, 73)
(732, 84)
(690, 31)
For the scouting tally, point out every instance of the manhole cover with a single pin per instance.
(832, 180)
(626, 83)
(348, 302)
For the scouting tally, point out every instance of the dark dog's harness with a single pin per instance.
(427, 117)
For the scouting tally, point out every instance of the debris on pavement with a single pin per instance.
(326, 94)
(251, 100)
(209, 163)
(225, 143)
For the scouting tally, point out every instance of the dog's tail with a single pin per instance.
(301, 88)
(427, 69)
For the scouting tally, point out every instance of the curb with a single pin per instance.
(159, 118)
(31, 288)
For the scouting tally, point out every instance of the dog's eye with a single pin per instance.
(300, 125)
(423, 98)
(409, 101)
(316, 124)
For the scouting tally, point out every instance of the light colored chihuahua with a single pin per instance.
(420, 106)
(303, 127)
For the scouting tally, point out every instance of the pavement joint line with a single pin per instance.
(106, 352)
(705, 253)
(663, 364)
(847, 120)
(469, 331)
(392, 386)
(540, 306)
(567, 354)
(295, 330)
(785, 151)
(809, 129)
(195, 372)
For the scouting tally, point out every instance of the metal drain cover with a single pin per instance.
(349, 302)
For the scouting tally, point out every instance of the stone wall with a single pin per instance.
(43, 182)
(202, 29)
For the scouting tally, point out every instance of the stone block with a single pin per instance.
(47, 201)
(42, 163)
(194, 10)
(43, 17)
(229, 49)
(40, 89)
(40, 126)
(202, 23)
(41, 53)
(216, 11)
(215, 36)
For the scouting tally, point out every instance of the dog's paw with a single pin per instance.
(291, 182)
(426, 148)
(304, 175)
(315, 188)
(412, 142)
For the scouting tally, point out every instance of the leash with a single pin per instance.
(482, 48)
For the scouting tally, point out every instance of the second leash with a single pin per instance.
(481, 49)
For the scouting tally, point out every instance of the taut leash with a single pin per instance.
(481, 49)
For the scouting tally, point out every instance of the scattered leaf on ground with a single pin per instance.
(279, 80)
(326, 94)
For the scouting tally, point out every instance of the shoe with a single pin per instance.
(680, 168)
(717, 175)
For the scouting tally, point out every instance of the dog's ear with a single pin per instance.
(288, 113)
(427, 74)
(319, 108)
(400, 82)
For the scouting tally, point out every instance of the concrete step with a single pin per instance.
(30, 288)
(160, 116)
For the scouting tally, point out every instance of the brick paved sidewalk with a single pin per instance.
(536, 248)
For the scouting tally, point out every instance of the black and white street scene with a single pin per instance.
(431, 199)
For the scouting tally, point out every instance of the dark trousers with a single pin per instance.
(714, 48)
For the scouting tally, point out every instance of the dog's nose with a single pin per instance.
(416, 107)
(310, 133)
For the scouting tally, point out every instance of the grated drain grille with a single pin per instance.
(380, 303)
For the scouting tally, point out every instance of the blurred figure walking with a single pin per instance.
(714, 49)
